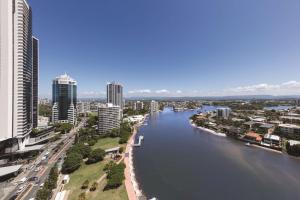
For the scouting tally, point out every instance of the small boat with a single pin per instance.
(248, 144)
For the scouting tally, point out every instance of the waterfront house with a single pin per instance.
(271, 140)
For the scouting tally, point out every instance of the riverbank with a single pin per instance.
(208, 130)
(131, 184)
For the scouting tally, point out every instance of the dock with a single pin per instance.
(141, 138)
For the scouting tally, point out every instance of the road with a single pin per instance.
(46, 165)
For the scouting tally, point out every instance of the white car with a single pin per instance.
(37, 169)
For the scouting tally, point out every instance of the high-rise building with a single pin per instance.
(109, 118)
(114, 92)
(223, 112)
(35, 81)
(83, 107)
(138, 105)
(154, 106)
(15, 72)
(64, 99)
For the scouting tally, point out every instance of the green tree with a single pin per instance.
(71, 163)
(94, 186)
(96, 156)
(85, 184)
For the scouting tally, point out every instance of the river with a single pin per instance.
(178, 161)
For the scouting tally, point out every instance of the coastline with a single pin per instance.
(132, 188)
(208, 130)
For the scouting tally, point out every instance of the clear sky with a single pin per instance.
(170, 47)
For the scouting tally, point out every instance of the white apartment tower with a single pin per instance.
(138, 105)
(154, 106)
(109, 118)
(15, 72)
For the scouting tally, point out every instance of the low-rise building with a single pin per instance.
(291, 119)
(271, 140)
(83, 107)
(135, 118)
(289, 129)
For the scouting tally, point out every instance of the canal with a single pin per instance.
(178, 161)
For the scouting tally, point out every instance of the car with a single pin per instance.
(41, 185)
(37, 169)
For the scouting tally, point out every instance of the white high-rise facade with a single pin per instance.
(154, 106)
(114, 92)
(109, 118)
(15, 71)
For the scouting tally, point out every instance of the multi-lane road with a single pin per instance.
(41, 167)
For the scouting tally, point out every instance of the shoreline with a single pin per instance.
(207, 130)
(224, 135)
(131, 185)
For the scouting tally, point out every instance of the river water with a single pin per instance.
(178, 161)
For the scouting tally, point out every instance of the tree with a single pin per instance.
(121, 150)
(82, 196)
(81, 149)
(42, 194)
(96, 156)
(85, 184)
(115, 176)
(109, 166)
(45, 110)
(71, 163)
(94, 186)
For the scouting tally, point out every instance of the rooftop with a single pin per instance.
(289, 126)
(9, 170)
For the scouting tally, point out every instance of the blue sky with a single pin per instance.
(170, 47)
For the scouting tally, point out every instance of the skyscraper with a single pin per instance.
(114, 92)
(154, 106)
(138, 105)
(15, 72)
(35, 79)
(109, 118)
(64, 99)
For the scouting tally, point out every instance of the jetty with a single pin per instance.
(141, 138)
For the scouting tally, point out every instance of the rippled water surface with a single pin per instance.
(177, 161)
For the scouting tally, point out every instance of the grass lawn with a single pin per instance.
(107, 143)
(116, 194)
(86, 172)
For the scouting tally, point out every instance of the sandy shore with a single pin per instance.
(131, 184)
(208, 130)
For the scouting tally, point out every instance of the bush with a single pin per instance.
(109, 165)
(293, 150)
(71, 163)
(96, 156)
(94, 186)
(92, 142)
(85, 184)
(121, 150)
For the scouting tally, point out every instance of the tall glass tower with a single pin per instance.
(64, 99)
